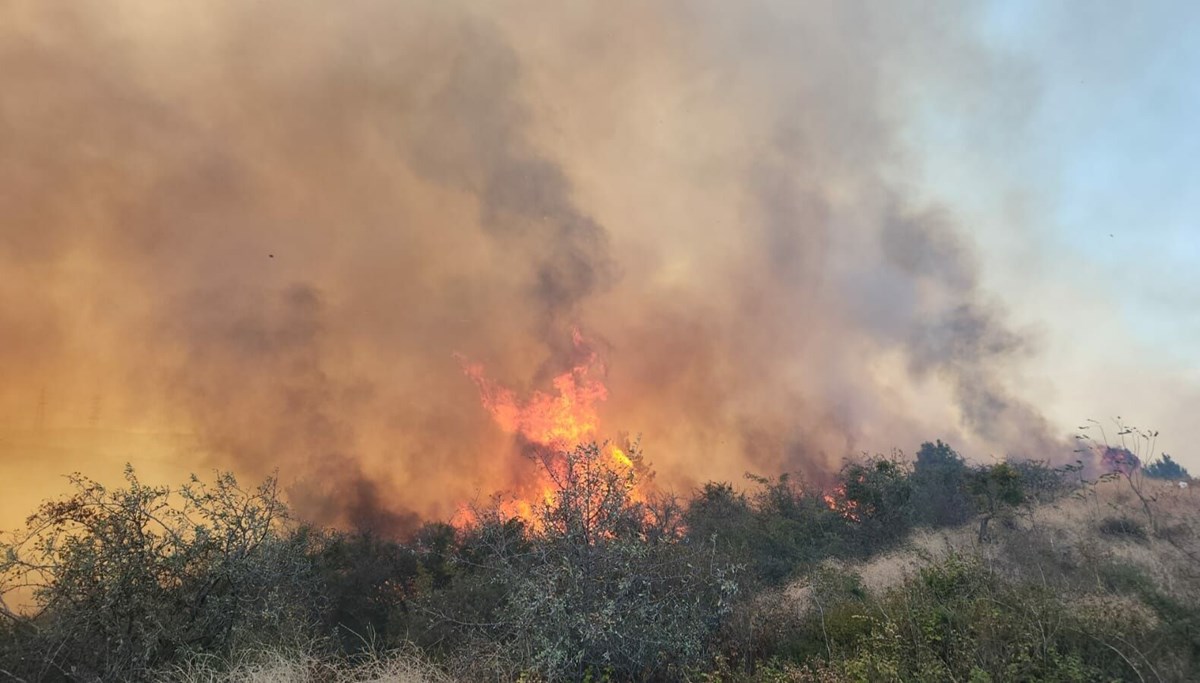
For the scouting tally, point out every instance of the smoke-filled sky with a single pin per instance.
(262, 235)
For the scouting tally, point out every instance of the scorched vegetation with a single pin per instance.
(929, 569)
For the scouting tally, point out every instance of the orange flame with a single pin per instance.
(562, 421)
(836, 500)
(559, 422)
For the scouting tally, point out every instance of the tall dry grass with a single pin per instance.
(307, 665)
(1063, 539)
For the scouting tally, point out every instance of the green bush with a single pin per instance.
(879, 492)
(959, 620)
(365, 580)
(797, 529)
(997, 490)
(782, 528)
(600, 583)
(1042, 483)
(939, 482)
(956, 621)
(126, 580)
(719, 515)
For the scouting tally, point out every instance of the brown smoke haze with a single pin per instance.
(266, 229)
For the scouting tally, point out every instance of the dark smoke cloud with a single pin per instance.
(274, 224)
(471, 137)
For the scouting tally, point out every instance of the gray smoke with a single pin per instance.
(274, 224)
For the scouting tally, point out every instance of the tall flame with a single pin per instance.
(554, 422)
(561, 421)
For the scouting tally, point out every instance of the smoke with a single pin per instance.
(273, 224)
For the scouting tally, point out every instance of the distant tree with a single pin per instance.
(997, 491)
(939, 482)
(877, 496)
(1043, 483)
(722, 516)
(1120, 460)
(1166, 468)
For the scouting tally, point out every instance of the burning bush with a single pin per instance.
(590, 588)
(879, 495)
(1120, 461)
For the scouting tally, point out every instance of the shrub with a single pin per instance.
(878, 497)
(1046, 483)
(364, 579)
(797, 528)
(589, 592)
(959, 621)
(780, 529)
(997, 491)
(719, 515)
(939, 482)
(1123, 526)
(784, 527)
(128, 579)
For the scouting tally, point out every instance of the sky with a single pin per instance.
(1076, 163)
(270, 236)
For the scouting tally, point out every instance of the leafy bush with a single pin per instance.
(589, 592)
(600, 582)
(958, 620)
(364, 579)
(997, 490)
(125, 580)
(1123, 526)
(878, 499)
(723, 517)
(1045, 483)
(796, 528)
(939, 482)
(837, 601)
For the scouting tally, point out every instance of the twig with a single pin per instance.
(12, 676)
(1121, 655)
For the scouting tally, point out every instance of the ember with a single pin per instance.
(836, 500)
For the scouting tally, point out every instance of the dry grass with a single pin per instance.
(1063, 539)
(306, 667)
(1079, 529)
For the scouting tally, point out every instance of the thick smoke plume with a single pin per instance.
(272, 225)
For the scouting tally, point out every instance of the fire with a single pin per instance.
(620, 458)
(553, 422)
(560, 421)
(836, 500)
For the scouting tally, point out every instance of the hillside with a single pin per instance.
(1091, 556)
(1100, 523)
(887, 575)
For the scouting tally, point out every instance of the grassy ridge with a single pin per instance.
(929, 570)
